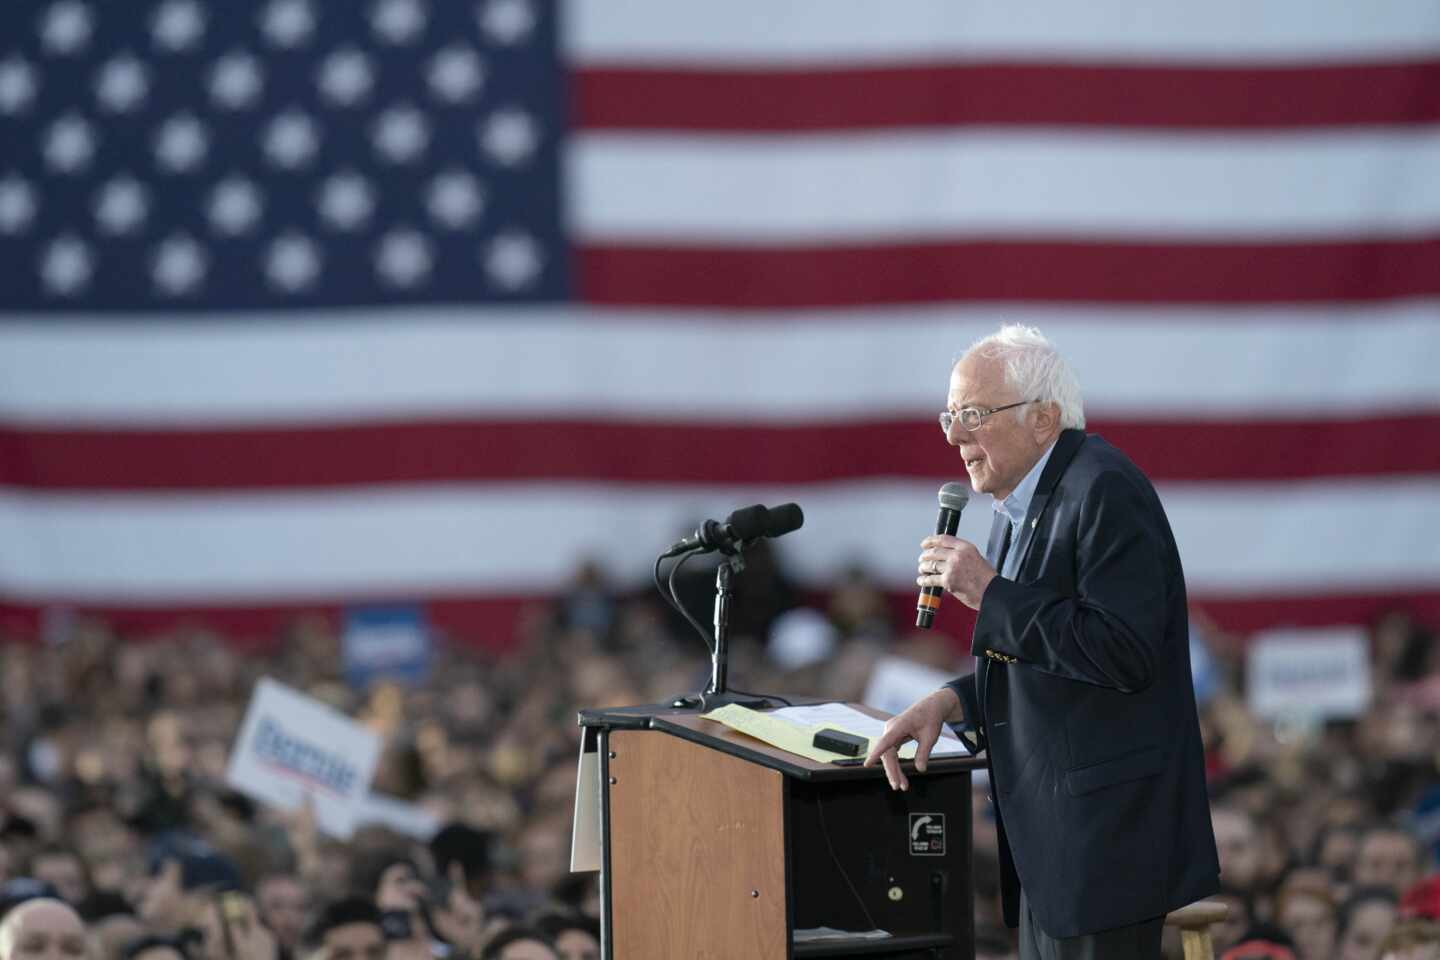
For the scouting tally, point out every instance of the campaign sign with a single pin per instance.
(1311, 674)
(292, 746)
(385, 643)
(895, 683)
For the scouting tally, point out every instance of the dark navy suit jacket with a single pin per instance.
(1083, 698)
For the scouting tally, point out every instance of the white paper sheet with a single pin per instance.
(844, 717)
(585, 836)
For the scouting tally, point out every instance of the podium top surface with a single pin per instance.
(689, 725)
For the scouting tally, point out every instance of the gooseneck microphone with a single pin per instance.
(741, 527)
(747, 523)
(953, 497)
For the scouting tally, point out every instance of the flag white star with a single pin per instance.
(178, 25)
(513, 260)
(121, 205)
(506, 22)
(292, 263)
(456, 74)
(236, 80)
(179, 266)
(509, 136)
(66, 266)
(69, 144)
(401, 134)
(235, 206)
(403, 258)
(346, 77)
(398, 21)
(288, 23)
(455, 199)
(181, 144)
(346, 201)
(17, 204)
(17, 84)
(123, 84)
(291, 140)
(66, 27)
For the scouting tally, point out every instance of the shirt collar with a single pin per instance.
(1017, 504)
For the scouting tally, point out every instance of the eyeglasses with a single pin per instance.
(970, 418)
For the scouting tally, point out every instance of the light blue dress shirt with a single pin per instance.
(1015, 506)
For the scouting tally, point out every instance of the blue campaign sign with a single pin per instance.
(386, 643)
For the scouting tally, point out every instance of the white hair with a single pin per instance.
(1035, 370)
(10, 926)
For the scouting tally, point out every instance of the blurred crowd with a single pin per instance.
(121, 841)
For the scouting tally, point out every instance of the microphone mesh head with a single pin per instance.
(954, 495)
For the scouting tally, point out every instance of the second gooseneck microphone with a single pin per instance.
(953, 497)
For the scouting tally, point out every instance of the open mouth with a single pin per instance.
(969, 464)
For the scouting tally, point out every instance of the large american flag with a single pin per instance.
(311, 303)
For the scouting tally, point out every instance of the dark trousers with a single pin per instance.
(1139, 941)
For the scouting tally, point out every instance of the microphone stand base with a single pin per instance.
(705, 702)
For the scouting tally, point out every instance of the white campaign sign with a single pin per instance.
(1313, 674)
(292, 746)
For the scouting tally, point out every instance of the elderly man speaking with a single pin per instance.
(1082, 692)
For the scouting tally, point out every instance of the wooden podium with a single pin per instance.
(715, 845)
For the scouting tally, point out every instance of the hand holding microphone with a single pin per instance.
(949, 564)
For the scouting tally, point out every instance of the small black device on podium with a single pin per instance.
(838, 741)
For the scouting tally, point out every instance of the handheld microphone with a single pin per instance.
(953, 497)
(747, 523)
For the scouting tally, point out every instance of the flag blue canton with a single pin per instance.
(211, 156)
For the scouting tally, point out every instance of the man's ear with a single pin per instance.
(1047, 418)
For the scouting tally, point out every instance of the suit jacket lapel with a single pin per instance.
(1066, 446)
(997, 534)
(982, 664)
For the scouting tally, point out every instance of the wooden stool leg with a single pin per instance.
(1197, 944)
(1194, 922)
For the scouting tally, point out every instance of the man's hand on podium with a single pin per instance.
(920, 722)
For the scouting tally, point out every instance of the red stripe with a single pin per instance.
(1108, 95)
(501, 623)
(1238, 615)
(1009, 270)
(611, 452)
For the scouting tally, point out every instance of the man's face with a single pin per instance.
(354, 941)
(45, 930)
(283, 907)
(1387, 858)
(64, 872)
(1367, 928)
(1007, 444)
(400, 888)
(1238, 846)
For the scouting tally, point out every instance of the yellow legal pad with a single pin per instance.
(788, 735)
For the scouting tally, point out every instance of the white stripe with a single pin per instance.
(138, 549)
(1136, 363)
(987, 183)
(825, 31)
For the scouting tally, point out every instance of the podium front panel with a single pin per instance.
(696, 852)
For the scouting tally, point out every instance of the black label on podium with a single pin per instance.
(927, 834)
